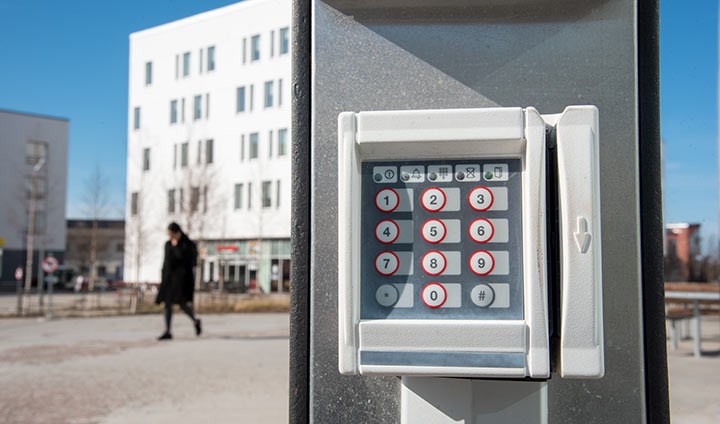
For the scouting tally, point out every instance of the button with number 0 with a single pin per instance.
(481, 262)
(387, 263)
(433, 295)
(387, 200)
(480, 199)
(387, 231)
(481, 230)
(433, 199)
(433, 231)
(433, 263)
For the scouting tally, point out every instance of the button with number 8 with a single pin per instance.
(387, 263)
(481, 262)
(387, 200)
(433, 295)
(433, 199)
(433, 263)
(480, 199)
(387, 231)
(433, 231)
(481, 230)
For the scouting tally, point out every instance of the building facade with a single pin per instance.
(209, 144)
(34, 151)
(683, 261)
(110, 247)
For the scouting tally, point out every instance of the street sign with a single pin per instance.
(18, 273)
(50, 264)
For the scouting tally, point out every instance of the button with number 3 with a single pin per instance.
(433, 199)
(433, 231)
(480, 199)
(387, 231)
(481, 262)
(387, 263)
(481, 230)
(387, 200)
(433, 295)
(433, 263)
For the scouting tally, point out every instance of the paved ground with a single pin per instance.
(112, 370)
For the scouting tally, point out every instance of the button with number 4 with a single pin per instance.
(481, 230)
(433, 263)
(387, 263)
(387, 231)
(387, 200)
(433, 199)
(433, 295)
(433, 231)
(481, 262)
(480, 199)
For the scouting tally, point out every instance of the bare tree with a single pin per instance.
(96, 205)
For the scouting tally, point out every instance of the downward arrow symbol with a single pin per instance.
(582, 236)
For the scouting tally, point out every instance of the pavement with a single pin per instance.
(112, 370)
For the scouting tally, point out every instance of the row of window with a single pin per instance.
(206, 56)
(181, 153)
(176, 116)
(194, 202)
(253, 144)
(245, 96)
(266, 198)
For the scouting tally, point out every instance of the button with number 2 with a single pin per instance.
(433, 199)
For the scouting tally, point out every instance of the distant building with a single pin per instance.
(209, 144)
(110, 247)
(27, 142)
(682, 252)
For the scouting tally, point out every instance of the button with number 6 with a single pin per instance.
(433, 231)
(433, 263)
(481, 230)
(387, 231)
(480, 199)
(481, 262)
(387, 200)
(387, 263)
(433, 295)
(433, 199)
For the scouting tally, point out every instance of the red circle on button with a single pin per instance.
(387, 273)
(472, 205)
(473, 269)
(492, 231)
(397, 198)
(429, 285)
(422, 263)
(397, 231)
(427, 208)
(422, 231)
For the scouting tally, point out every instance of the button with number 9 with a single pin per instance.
(480, 199)
(481, 262)
(433, 199)
(433, 231)
(387, 200)
(433, 263)
(481, 230)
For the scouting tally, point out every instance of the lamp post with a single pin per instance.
(31, 231)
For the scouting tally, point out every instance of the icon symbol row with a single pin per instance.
(435, 231)
(434, 199)
(434, 263)
(441, 173)
(443, 295)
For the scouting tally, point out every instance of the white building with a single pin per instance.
(29, 141)
(209, 144)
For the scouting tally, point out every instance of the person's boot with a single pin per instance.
(166, 336)
(198, 327)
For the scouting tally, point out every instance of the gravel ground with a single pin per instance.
(112, 370)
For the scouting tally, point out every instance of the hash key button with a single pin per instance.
(482, 295)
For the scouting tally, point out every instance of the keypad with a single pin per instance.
(441, 239)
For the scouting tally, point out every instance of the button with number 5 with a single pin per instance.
(480, 199)
(481, 230)
(387, 263)
(433, 263)
(387, 231)
(387, 200)
(433, 199)
(433, 231)
(481, 262)
(434, 295)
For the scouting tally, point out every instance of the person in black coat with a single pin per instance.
(178, 277)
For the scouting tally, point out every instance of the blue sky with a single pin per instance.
(70, 59)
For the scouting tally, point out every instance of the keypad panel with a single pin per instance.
(441, 239)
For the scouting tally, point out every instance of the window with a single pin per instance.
(175, 156)
(207, 105)
(173, 111)
(35, 152)
(284, 40)
(148, 73)
(184, 154)
(205, 194)
(240, 100)
(134, 203)
(249, 196)
(182, 200)
(282, 141)
(120, 247)
(186, 64)
(199, 152)
(136, 118)
(200, 62)
(177, 66)
(209, 151)
(194, 198)
(252, 96)
(146, 159)
(242, 147)
(238, 196)
(211, 58)
(270, 143)
(272, 43)
(171, 200)
(277, 194)
(268, 93)
(266, 199)
(254, 145)
(197, 107)
(280, 87)
(244, 50)
(255, 48)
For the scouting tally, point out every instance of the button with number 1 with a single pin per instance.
(433, 199)
(481, 262)
(387, 200)
(480, 199)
